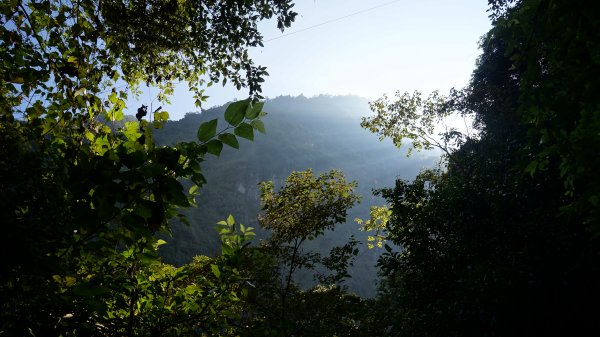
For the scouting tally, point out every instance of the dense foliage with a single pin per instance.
(321, 133)
(83, 193)
(504, 240)
(299, 212)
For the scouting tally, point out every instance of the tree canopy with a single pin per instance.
(84, 192)
(503, 239)
(300, 211)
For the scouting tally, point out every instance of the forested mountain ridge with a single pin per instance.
(321, 133)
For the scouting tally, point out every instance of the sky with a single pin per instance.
(360, 47)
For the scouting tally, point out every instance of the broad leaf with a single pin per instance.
(234, 114)
(229, 139)
(207, 130)
(215, 270)
(254, 109)
(214, 147)
(245, 130)
(258, 125)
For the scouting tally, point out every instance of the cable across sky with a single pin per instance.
(332, 20)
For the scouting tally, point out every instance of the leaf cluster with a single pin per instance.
(306, 206)
(302, 210)
(420, 122)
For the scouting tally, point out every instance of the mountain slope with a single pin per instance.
(321, 133)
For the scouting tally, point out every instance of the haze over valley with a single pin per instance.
(321, 133)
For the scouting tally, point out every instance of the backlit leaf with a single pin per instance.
(258, 125)
(245, 130)
(230, 140)
(214, 147)
(207, 130)
(254, 110)
(234, 114)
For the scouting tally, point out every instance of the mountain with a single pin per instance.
(321, 133)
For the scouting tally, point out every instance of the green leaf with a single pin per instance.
(234, 114)
(230, 220)
(113, 97)
(226, 249)
(258, 125)
(79, 92)
(175, 193)
(116, 113)
(192, 289)
(193, 190)
(230, 140)
(207, 130)
(215, 270)
(214, 147)
(161, 116)
(254, 110)
(531, 167)
(245, 130)
(131, 131)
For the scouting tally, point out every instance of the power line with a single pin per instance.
(333, 20)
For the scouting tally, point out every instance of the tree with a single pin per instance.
(302, 210)
(500, 242)
(557, 99)
(410, 118)
(83, 191)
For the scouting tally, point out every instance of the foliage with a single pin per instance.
(302, 210)
(140, 295)
(299, 136)
(67, 50)
(378, 222)
(306, 206)
(560, 65)
(410, 118)
(113, 199)
(504, 241)
(82, 190)
(330, 311)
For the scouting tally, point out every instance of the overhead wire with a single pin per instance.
(319, 25)
(332, 20)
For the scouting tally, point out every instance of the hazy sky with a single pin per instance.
(371, 47)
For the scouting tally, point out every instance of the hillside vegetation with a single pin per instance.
(321, 133)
